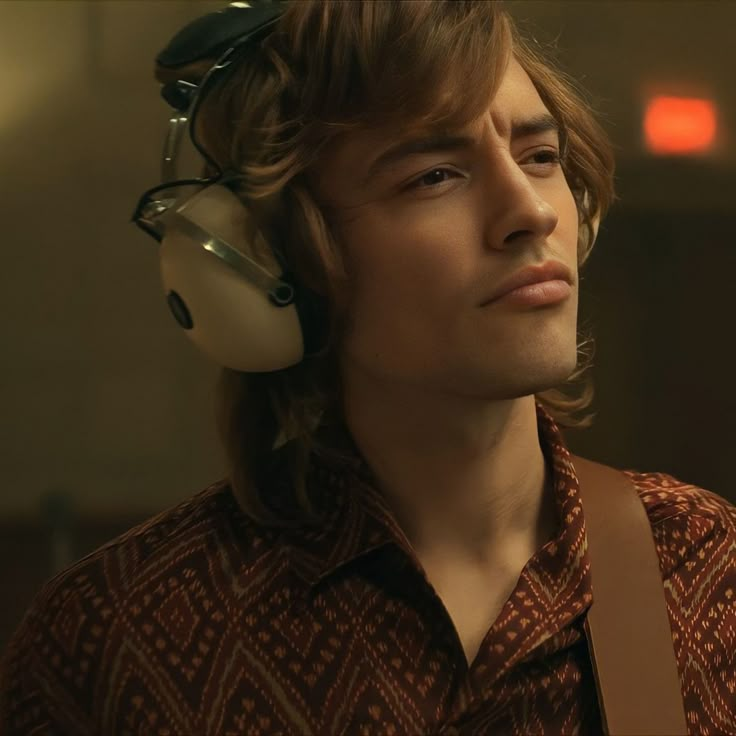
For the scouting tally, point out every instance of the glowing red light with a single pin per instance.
(679, 125)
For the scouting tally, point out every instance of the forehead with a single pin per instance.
(516, 97)
(515, 100)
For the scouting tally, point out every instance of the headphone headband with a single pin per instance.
(211, 35)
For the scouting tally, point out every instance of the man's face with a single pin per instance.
(429, 236)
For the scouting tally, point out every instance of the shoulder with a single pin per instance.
(694, 529)
(208, 524)
(665, 496)
(145, 584)
(208, 528)
(686, 520)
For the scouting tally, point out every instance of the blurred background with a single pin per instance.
(107, 412)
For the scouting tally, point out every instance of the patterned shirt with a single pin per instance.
(201, 622)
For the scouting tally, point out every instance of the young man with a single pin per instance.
(445, 585)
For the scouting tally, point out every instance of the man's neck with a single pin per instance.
(472, 488)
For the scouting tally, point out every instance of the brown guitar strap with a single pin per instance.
(627, 626)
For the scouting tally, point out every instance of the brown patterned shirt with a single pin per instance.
(200, 622)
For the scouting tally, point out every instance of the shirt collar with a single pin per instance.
(357, 519)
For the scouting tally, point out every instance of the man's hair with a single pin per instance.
(333, 67)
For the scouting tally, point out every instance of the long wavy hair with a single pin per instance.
(329, 68)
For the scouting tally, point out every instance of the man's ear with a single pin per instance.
(596, 220)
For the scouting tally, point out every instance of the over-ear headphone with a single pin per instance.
(239, 305)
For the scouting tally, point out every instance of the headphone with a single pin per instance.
(246, 312)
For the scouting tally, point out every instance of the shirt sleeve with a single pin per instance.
(702, 601)
(40, 690)
(24, 708)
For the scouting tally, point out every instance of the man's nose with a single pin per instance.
(515, 208)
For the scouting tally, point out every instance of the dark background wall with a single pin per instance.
(107, 411)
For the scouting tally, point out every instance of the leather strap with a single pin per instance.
(627, 626)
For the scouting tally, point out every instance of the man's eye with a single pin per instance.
(431, 179)
(546, 157)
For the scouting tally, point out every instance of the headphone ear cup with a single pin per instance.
(229, 319)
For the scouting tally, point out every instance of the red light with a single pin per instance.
(679, 125)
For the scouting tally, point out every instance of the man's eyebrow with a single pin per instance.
(428, 143)
(542, 123)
